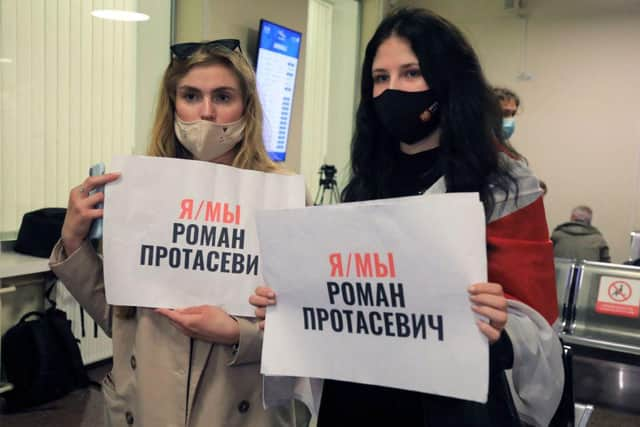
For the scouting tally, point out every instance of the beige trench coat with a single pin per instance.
(160, 376)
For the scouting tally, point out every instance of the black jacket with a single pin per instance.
(351, 404)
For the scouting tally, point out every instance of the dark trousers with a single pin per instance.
(349, 405)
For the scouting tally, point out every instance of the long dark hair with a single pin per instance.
(470, 113)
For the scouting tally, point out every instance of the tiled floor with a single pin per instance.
(83, 408)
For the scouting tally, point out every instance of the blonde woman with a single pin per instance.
(195, 366)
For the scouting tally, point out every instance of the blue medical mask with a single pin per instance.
(508, 127)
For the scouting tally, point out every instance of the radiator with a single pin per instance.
(94, 344)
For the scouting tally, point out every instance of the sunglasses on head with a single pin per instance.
(185, 50)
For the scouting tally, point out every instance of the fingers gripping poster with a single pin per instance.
(376, 293)
(181, 233)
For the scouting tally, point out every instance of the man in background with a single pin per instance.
(543, 187)
(509, 103)
(578, 239)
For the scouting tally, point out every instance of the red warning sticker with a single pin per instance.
(618, 297)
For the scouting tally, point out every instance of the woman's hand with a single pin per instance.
(488, 300)
(262, 297)
(204, 322)
(81, 211)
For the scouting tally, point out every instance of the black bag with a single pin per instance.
(39, 231)
(41, 359)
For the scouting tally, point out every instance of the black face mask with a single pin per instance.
(400, 112)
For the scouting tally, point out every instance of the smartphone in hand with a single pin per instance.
(96, 226)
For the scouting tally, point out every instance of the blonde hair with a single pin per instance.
(251, 153)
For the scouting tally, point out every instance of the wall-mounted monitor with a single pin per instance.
(277, 63)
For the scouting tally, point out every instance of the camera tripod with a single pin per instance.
(327, 183)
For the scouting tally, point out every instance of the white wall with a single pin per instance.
(343, 85)
(153, 40)
(579, 126)
(74, 90)
(315, 114)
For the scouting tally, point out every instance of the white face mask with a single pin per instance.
(207, 140)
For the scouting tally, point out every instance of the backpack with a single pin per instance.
(41, 359)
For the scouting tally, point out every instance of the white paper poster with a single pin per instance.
(376, 293)
(181, 233)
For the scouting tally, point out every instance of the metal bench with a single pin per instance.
(597, 321)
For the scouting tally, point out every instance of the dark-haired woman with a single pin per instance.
(426, 124)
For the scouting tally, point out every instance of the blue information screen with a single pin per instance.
(277, 63)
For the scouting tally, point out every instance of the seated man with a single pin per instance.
(578, 239)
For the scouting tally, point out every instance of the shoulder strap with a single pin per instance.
(51, 283)
(29, 314)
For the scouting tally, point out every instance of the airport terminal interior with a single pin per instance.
(77, 86)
